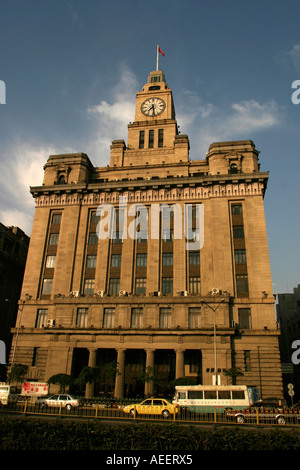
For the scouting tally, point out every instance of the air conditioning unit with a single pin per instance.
(50, 323)
(100, 293)
(157, 293)
(215, 291)
(122, 292)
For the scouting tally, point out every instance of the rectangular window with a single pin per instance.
(94, 218)
(50, 261)
(151, 139)
(53, 239)
(56, 219)
(141, 259)
(109, 318)
(194, 258)
(114, 286)
(41, 318)
(247, 361)
(244, 318)
(140, 286)
(82, 318)
(194, 284)
(47, 286)
(142, 236)
(167, 259)
(34, 357)
(210, 394)
(88, 288)
(238, 395)
(165, 318)
(236, 209)
(142, 139)
(194, 317)
(115, 261)
(167, 235)
(160, 137)
(224, 394)
(93, 238)
(91, 261)
(195, 394)
(238, 231)
(240, 256)
(242, 283)
(136, 318)
(167, 285)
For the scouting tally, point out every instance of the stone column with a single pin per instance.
(90, 387)
(149, 386)
(119, 383)
(179, 363)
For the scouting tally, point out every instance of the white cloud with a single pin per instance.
(208, 123)
(294, 56)
(22, 169)
(110, 120)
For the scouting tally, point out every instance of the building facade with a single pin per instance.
(155, 262)
(13, 252)
(288, 317)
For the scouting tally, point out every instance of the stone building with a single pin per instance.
(179, 287)
(13, 252)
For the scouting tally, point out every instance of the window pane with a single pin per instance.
(142, 139)
(167, 235)
(194, 317)
(116, 261)
(165, 318)
(140, 286)
(94, 218)
(93, 238)
(160, 137)
(109, 318)
(50, 261)
(89, 285)
(236, 209)
(141, 259)
(240, 256)
(47, 286)
(238, 231)
(210, 394)
(167, 285)
(194, 285)
(244, 318)
(137, 318)
(56, 218)
(91, 261)
(167, 259)
(41, 319)
(194, 258)
(151, 139)
(242, 283)
(82, 317)
(53, 239)
(114, 286)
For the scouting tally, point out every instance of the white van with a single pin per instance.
(4, 393)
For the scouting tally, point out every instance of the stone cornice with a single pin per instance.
(153, 190)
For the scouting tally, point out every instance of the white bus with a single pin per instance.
(207, 398)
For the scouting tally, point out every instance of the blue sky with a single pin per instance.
(72, 69)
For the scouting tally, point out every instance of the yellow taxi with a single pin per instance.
(152, 406)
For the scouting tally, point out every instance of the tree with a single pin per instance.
(63, 380)
(88, 375)
(234, 372)
(17, 373)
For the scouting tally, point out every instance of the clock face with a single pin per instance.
(153, 106)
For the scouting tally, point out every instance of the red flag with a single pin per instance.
(159, 50)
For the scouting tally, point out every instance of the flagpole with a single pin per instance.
(157, 54)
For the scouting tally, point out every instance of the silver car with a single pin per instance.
(62, 400)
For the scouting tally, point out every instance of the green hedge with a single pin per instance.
(36, 434)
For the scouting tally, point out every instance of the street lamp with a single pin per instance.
(215, 338)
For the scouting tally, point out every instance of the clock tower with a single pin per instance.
(153, 137)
